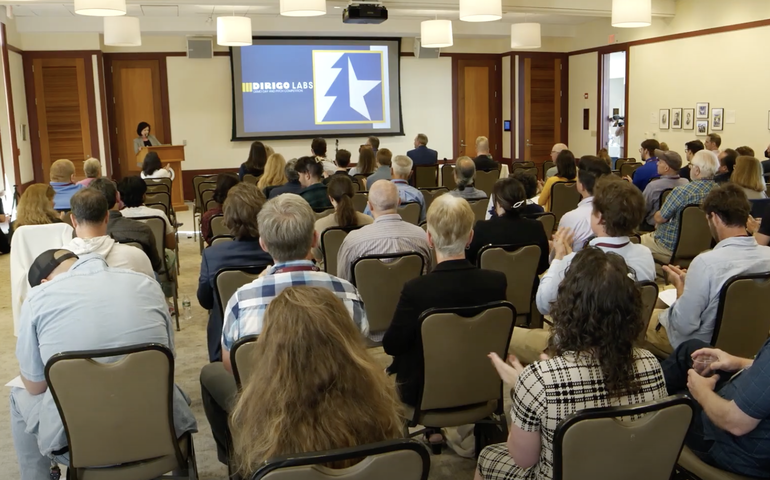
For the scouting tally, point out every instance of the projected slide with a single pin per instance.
(294, 88)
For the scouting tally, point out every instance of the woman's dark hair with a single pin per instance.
(225, 181)
(565, 165)
(508, 192)
(319, 147)
(132, 190)
(151, 164)
(255, 164)
(142, 126)
(365, 163)
(598, 311)
(340, 189)
(527, 180)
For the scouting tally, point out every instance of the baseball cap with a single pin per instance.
(673, 159)
(46, 263)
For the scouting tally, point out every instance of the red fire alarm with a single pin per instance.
(585, 96)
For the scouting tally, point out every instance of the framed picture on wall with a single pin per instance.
(717, 119)
(702, 111)
(688, 122)
(701, 128)
(676, 118)
(663, 119)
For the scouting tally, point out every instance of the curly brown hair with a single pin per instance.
(241, 207)
(598, 312)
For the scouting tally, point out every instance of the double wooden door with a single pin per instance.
(478, 97)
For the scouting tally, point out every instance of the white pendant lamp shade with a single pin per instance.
(234, 31)
(122, 31)
(436, 34)
(303, 8)
(631, 13)
(100, 8)
(525, 35)
(481, 10)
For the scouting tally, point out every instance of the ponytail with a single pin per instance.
(345, 214)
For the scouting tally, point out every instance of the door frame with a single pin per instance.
(496, 110)
(564, 133)
(600, 94)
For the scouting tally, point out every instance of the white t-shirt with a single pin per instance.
(160, 173)
(144, 211)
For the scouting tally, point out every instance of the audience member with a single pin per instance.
(286, 233)
(663, 240)
(373, 143)
(311, 359)
(342, 159)
(604, 155)
(152, 168)
(241, 208)
(310, 177)
(455, 282)
(578, 221)
(690, 149)
(274, 174)
(255, 164)
(555, 151)
(366, 163)
(90, 214)
(36, 207)
(389, 234)
(269, 151)
(726, 165)
(713, 142)
(566, 171)
(88, 307)
(745, 151)
(63, 183)
(730, 428)
(669, 164)
(292, 185)
(484, 161)
(649, 170)
(529, 181)
(465, 174)
(341, 193)
(422, 155)
(384, 164)
(93, 169)
(400, 170)
(318, 149)
(596, 320)
(748, 176)
(509, 227)
(664, 146)
(693, 314)
(225, 182)
(132, 191)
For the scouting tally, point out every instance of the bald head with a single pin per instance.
(557, 149)
(383, 198)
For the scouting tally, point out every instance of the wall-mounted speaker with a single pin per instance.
(200, 47)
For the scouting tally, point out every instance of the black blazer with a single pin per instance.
(423, 155)
(486, 163)
(291, 187)
(454, 283)
(510, 229)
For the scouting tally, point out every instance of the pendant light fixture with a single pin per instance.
(631, 13)
(234, 31)
(122, 31)
(100, 8)
(436, 34)
(303, 8)
(525, 36)
(481, 10)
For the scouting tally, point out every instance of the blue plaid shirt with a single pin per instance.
(246, 309)
(692, 193)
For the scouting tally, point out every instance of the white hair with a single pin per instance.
(450, 221)
(402, 165)
(707, 162)
(383, 196)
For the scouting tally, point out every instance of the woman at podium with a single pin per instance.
(144, 139)
(152, 168)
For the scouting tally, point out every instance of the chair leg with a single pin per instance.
(176, 303)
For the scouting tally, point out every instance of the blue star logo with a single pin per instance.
(348, 86)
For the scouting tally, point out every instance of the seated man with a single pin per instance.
(578, 221)
(727, 160)
(731, 425)
(669, 164)
(389, 234)
(287, 233)
(384, 161)
(422, 155)
(663, 240)
(465, 173)
(644, 174)
(555, 151)
(88, 307)
(132, 194)
(343, 162)
(89, 218)
(693, 314)
(125, 230)
(311, 178)
(292, 186)
(400, 171)
(63, 183)
(484, 161)
(454, 282)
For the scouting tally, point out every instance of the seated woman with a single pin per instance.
(366, 163)
(93, 169)
(311, 357)
(509, 227)
(274, 175)
(530, 188)
(241, 207)
(255, 164)
(152, 168)
(566, 171)
(225, 182)
(748, 175)
(596, 320)
(36, 207)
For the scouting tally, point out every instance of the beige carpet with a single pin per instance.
(191, 355)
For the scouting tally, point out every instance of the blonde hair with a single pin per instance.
(450, 222)
(275, 173)
(35, 206)
(316, 386)
(748, 174)
(62, 170)
(269, 150)
(482, 143)
(92, 167)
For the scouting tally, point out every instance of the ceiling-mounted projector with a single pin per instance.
(365, 13)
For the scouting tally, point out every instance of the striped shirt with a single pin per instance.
(387, 235)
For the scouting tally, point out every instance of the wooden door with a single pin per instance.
(478, 98)
(61, 96)
(544, 100)
(136, 97)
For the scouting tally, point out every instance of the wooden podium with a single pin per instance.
(172, 155)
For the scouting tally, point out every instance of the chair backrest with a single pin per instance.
(361, 179)
(431, 194)
(159, 197)
(548, 220)
(218, 226)
(603, 442)
(649, 291)
(380, 279)
(426, 176)
(359, 201)
(664, 195)
(206, 197)
(629, 169)
(331, 241)
(154, 182)
(519, 264)
(564, 198)
(197, 181)
(229, 280)
(621, 161)
(155, 188)
(402, 459)
(694, 236)
(158, 227)
(742, 323)
(319, 214)
(249, 178)
(117, 410)
(448, 176)
(485, 181)
(466, 377)
(759, 207)
(217, 239)
(410, 212)
(479, 208)
(547, 165)
(241, 358)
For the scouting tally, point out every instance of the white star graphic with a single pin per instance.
(359, 88)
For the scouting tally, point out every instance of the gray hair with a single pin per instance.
(383, 196)
(422, 139)
(92, 167)
(450, 221)
(286, 225)
(290, 171)
(402, 165)
(465, 171)
(707, 162)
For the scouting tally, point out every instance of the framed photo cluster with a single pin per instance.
(699, 119)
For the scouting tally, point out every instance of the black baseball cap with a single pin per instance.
(46, 263)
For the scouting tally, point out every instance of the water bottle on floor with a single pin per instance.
(187, 307)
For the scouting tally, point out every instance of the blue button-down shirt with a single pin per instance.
(693, 315)
(63, 192)
(645, 173)
(692, 193)
(407, 194)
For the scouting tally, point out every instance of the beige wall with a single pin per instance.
(26, 171)
(582, 80)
